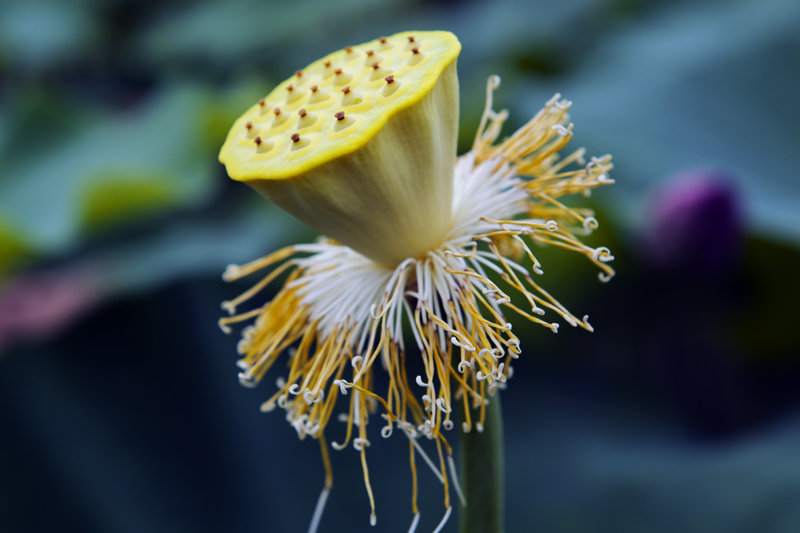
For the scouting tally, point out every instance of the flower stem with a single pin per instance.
(483, 474)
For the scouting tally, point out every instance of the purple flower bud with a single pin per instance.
(694, 224)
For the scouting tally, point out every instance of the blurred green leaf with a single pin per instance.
(12, 249)
(40, 34)
(105, 169)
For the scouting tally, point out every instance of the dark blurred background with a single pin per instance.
(119, 405)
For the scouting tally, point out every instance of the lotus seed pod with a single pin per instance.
(360, 145)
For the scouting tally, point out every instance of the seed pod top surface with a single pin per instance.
(336, 105)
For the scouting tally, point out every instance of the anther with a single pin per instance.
(349, 49)
(411, 38)
(295, 138)
(337, 71)
(249, 126)
(299, 74)
(346, 90)
(314, 89)
(290, 88)
(414, 50)
(339, 115)
(257, 140)
(389, 79)
(277, 111)
(370, 53)
(302, 113)
(327, 64)
(375, 66)
(382, 40)
(262, 103)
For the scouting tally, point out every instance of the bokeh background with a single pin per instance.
(119, 405)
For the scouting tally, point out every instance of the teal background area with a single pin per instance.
(119, 405)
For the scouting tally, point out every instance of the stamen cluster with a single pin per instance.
(339, 316)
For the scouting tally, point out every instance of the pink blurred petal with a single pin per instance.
(39, 305)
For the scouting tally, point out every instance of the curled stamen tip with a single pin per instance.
(551, 225)
(231, 273)
(373, 520)
(246, 381)
(359, 443)
(590, 223)
(554, 327)
(494, 81)
(605, 277)
(224, 327)
(561, 130)
(602, 254)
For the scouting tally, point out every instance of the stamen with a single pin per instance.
(414, 523)
(318, 510)
(444, 520)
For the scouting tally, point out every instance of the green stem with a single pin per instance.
(482, 474)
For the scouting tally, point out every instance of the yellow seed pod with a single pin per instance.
(360, 145)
